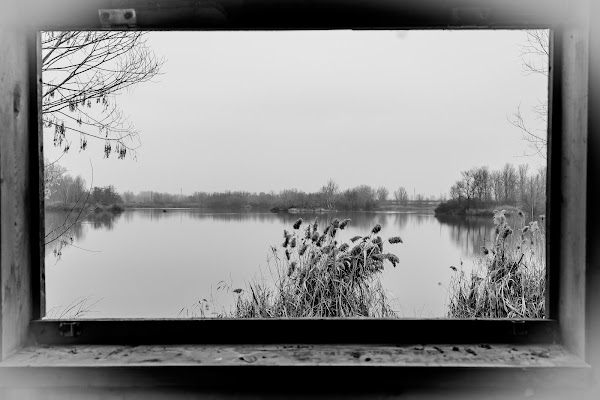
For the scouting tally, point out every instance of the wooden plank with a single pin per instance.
(36, 178)
(271, 366)
(573, 176)
(592, 276)
(15, 228)
(553, 176)
(302, 14)
(448, 355)
(307, 331)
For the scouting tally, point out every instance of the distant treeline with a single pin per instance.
(479, 191)
(362, 197)
(65, 191)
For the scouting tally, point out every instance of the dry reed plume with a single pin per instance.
(509, 278)
(319, 277)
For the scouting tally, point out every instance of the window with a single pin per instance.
(342, 121)
(566, 214)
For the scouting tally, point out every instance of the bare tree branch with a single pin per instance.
(535, 55)
(83, 73)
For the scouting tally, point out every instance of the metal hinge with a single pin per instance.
(123, 17)
(69, 329)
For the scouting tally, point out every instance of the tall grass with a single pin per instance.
(315, 276)
(508, 280)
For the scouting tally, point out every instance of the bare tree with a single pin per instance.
(481, 183)
(497, 185)
(466, 186)
(401, 195)
(509, 183)
(535, 53)
(522, 171)
(328, 194)
(83, 72)
(382, 194)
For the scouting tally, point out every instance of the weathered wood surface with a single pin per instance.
(592, 290)
(296, 330)
(467, 356)
(273, 367)
(572, 123)
(294, 14)
(15, 194)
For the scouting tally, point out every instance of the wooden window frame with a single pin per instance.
(572, 270)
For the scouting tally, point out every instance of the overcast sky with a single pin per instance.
(262, 111)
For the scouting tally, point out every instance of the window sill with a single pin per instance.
(271, 366)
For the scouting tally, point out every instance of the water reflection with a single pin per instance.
(72, 226)
(152, 263)
(361, 220)
(467, 233)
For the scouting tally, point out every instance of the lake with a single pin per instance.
(148, 263)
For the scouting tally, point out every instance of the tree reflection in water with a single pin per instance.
(182, 253)
(470, 233)
(63, 228)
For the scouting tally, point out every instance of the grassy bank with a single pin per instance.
(508, 280)
(454, 207)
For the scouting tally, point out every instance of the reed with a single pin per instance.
(508, 280)
(315, 276)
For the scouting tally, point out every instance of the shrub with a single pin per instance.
(315, 276)
(451, 207)
(509, 278)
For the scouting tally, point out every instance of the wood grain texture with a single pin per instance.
(592, 278)
(441, 355)
(573, 177)
(298, 367)
(36, 177)
(15, 256)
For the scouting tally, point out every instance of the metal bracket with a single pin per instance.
(519, 328)
(117, 17)
(69, 329)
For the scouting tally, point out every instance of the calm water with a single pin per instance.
(148, 263)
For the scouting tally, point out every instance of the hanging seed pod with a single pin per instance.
(395, 239)
(297, 223)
